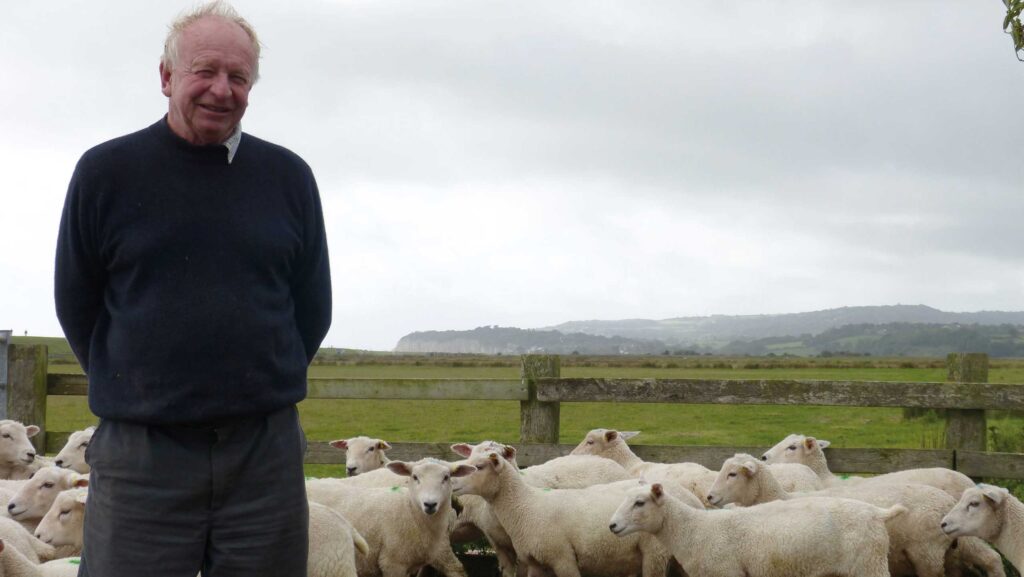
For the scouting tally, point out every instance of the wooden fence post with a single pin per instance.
(26, 389)
(965, 428)
(538, 422)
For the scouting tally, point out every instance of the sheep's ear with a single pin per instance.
(823, 443)
(657, 492)
(78, 480)
(82, 497)
(610, 435)
(340, 444)
(400, 468)
(462, 470)
(750, 468)
(32, 430)
(495, 460)
(383, 445)
(462, 449)
(89, 429)
(628, 434)
(509, 452)
(994, 494)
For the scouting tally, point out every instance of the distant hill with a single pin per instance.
(717, 330)
(494, 340)
(900, 330)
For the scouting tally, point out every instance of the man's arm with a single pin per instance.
(311, 285)
(79, 275)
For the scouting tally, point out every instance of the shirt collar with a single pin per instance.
(232, 142)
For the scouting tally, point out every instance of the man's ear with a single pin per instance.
(165, 79)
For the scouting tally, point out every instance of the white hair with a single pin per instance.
(217, 9)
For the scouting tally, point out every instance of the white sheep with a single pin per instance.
(807, 537)
(36, 495)
(363, 454)
(811, 452)
(565, 472)
(19, 538)
(611, 444)
(406, 527)
(333, 543)
(72, 456)
(993, 514)
(13, 563)
(62, 526)
(17, 455)
(561, 530)
(916, 545)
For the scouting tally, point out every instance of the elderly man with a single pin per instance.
(192, 282)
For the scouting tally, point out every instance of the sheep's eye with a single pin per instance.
(83, 445)
(791, 448)
(370, 450)
(446, 477)
(638, 504)
(973, 504)
(731, 475)
(590, 442)
(7, 435)
(48, 485)
(64, 514)
(415, 478)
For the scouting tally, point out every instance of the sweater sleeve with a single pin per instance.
(79, 276)
(311, 285)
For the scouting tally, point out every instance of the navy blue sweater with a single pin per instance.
(190, 289)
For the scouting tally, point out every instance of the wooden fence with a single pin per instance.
(964, 397)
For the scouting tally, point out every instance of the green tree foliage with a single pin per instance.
(1012, 25)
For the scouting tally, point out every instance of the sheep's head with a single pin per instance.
(63, 523)
(797, 449)
(980, 512)
(72, 456)
(15, 447)
(641, 510)
(734, 480)
(362, 454)
(431, 486)
(599, 441)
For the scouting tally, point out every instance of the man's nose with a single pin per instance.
(221, 86)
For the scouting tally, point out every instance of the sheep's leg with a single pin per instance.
(506, 560)
(445, 561)
(392, 569)
(655, 561)
(926, 563)
(566, 567)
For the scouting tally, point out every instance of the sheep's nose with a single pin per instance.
(430, 508)
(351, 471)
(612, 527)
(764, 457)
(943, 525)
(59, 462)
(10, 507)
(31, 456)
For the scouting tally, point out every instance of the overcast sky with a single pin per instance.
(532, 162)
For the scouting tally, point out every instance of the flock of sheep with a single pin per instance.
(600, 511)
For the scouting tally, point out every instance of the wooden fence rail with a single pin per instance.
(540, 390)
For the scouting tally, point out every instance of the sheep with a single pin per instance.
(406, 527)
(560, 529)
(36, 495)
(810, 452)
(19, 538)
(611, 444)
(916, 545)
(72, 456)
(17, 455)
(363, 454)
(62, 526)
(808, 537)
(992, 513)
(333, 543)
(13, 563)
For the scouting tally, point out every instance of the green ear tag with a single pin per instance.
(546, 489)
(395, 489)
(844, 477)
(75, 560)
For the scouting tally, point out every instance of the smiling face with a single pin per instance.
(208, 86)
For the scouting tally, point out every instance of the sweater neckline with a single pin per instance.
(210, 153)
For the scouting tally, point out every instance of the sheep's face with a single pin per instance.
(362, 454)
(640, 511)
(63, 523)
(35, 497)
(15, 447)
(978, 513)
(733, 484)
(431, 482)
(72, 456)
(600, 441)
(796, 449)
(484, 479)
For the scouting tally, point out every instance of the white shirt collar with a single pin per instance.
(232, 142)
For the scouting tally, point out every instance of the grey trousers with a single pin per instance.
(170, 501)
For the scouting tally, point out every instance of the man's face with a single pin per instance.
(208, 86)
